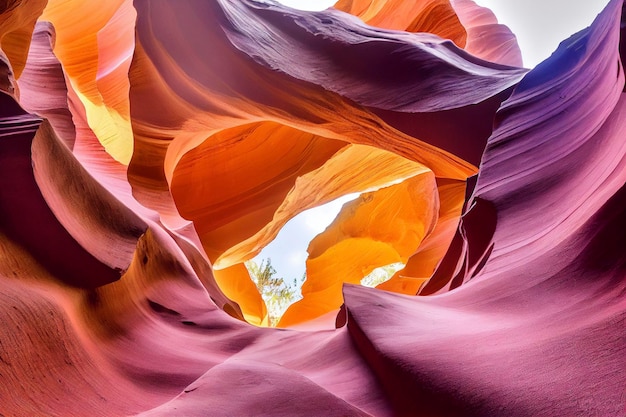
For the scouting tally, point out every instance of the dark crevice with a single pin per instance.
(158, 308)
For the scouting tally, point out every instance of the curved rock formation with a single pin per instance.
(433, 16)
(147, 149)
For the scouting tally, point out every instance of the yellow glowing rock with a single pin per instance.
(423, 262)
(95, 43)
(236, 284)
(173, 114)
(353, 169)
(231, 185)
(379, 228)
(239, 148)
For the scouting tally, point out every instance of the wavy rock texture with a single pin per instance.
(147, 149)
(94, 43)
(369, 234)
(434, 16)
(547, 306)
(47, 95)
(468, 25)
(485, 37)
(17, 21)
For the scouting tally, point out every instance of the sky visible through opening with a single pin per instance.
(540, 25)
(288, 251)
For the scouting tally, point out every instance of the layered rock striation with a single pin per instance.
(148, 149)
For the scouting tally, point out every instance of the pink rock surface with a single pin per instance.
(486, 38)
(108, 301)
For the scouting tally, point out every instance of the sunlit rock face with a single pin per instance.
(148, 149)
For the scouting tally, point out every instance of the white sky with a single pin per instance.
(540, 25)
(288, 250)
